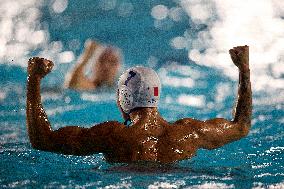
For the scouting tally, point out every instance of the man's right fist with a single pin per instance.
(240, 57)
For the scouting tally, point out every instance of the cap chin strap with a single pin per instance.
(126, 122)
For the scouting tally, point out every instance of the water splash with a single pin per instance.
(259, 24)
(22, 32)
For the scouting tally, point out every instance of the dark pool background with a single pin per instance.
(253, 162)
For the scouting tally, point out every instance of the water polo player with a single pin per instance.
(148, 137)
(107, 61)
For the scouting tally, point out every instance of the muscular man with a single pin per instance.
(103, 72)
(149, 137)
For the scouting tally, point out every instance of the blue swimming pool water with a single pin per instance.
(253, 162)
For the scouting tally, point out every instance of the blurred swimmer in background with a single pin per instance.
(148, 137)
(103, 63)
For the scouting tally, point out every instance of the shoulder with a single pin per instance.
(183, 127)
(107, 127)
(199, 123)
(188, 122)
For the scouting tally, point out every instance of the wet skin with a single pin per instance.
(150, 138)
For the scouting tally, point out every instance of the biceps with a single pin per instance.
(218, 132)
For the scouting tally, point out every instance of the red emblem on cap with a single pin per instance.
(156, 91)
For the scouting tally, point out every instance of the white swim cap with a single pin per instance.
(138, 87)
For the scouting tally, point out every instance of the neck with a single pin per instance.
(145, 115)
(148, 120)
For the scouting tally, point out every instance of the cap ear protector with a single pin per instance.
(125, 98)
(138, 87)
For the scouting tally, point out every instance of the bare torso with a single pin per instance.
(154, 139)
(155, 143)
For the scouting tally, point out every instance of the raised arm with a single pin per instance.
(67, 140)
(217, 132)
(77, 78)
(243, 111)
